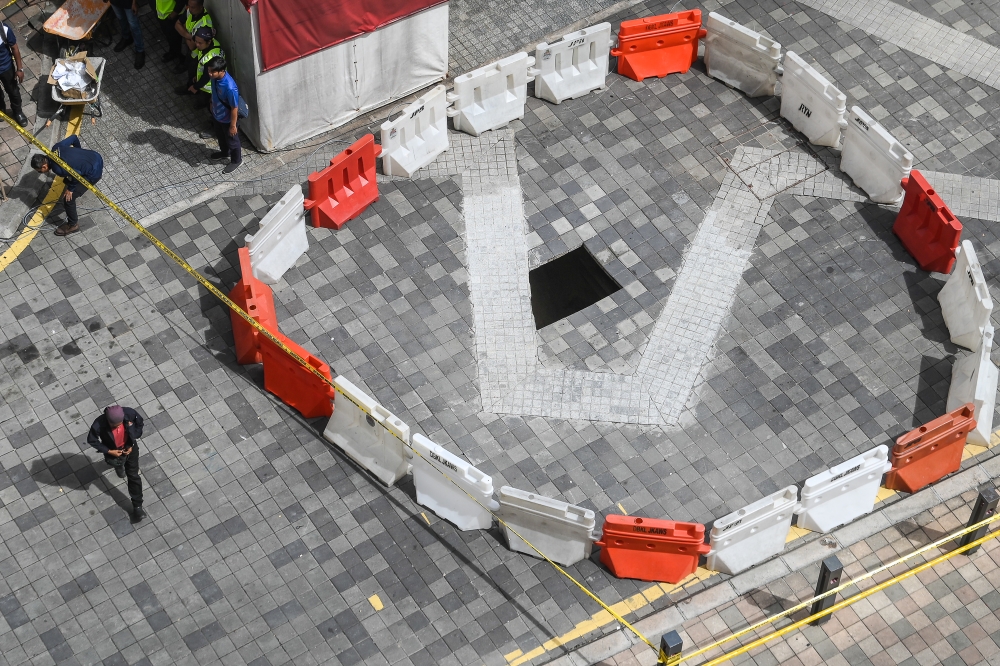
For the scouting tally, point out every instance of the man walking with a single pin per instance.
(87, 163)
(11, 73)
(225, 114)
(115, 433)
(127, 12)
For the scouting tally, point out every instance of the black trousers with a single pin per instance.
(8, 79)
(228, 145)
(170, 35)
(131, 464)
(71, 215)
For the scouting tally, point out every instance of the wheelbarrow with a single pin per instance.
(91, 97)
(77, 21)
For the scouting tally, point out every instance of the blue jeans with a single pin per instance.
(129, 23)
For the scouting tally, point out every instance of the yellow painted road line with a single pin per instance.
(34, 225)
(375, 602)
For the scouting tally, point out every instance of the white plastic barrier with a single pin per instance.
(418, 136)
(368, 433)
(564, 532)
(740, 57)
(573, 66)
(966, 303)
(974, 379)
(491, 96)
(445, 498)
(812, 104)
(843, 493)
(281, 239)
(874, 160)
(754, 533)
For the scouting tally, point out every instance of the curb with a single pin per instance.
(767, 572)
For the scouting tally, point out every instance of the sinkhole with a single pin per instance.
(566, 285)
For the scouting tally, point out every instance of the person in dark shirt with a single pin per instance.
(87, 163)
(127, 12)
(11, 73)
(116, 433)
(225, 114)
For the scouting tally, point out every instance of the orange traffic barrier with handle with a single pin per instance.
(651, 549)
(294, 384)
(931, 452)
(342, 190)
(658, 45)
(925, 225)
(257, 300)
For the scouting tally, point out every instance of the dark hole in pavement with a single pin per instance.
(567, 285)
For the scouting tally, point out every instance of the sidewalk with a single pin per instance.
(945, 615)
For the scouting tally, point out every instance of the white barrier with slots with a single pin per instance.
(966, 303)
(564, 532)
(367, 432)
(740, 57)
(491, 96)
(874, 160)
(812, 104)
(754, 533)
(974, 379)
(574, 66)
(449, 500)
(418, 136)
(845, 492)
(281, 239)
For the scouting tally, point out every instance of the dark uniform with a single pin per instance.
(102, 437)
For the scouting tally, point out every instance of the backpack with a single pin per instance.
(242, 108)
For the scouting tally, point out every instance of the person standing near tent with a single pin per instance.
(166, 14)
(225, 113)
(127, 12)
(88, 163)
(192, 18)
(206, 48)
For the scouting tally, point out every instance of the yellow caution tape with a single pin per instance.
(270, 336)
(859, 596)
(843, 586)
(166, 250)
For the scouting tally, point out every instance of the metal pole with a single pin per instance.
(670, 648)
(986, 506)
(829, 577)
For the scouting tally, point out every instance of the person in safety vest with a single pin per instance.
(192, 18)
(166, 13)
(206, 48)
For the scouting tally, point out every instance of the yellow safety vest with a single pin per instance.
(191, 24)
(203, 58)
(165, 8)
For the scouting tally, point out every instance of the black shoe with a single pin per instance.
(21, 119)
(233, 166)
(138, 513)
(140, 59)
(120, 471)
(167, 57)
(209, 134)
(219, 156)
(123, 44)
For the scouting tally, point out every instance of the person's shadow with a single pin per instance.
(78, 470)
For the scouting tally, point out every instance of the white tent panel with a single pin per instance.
(324, 90)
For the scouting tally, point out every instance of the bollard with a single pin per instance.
(986, 506)
(829, 578)
(670, 648)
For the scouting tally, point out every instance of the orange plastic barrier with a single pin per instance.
(658, 45)
(650, 549)
(931, 452)
(341, 191)
(257, 300)
(294, 384)
(926, 226)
